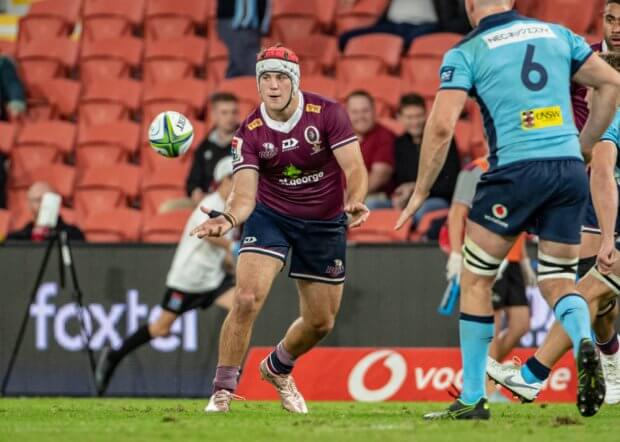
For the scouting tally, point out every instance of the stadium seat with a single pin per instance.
(574, 14)
(96, 200)
(292, 19)
(107, 101)
(244, 88)
(45, 59)
(53, 98)
(26, 158)
(187, 96)
(173, 59)
(49, 19)
(317, 53)
(380, 225)
(217, 60)
(59, 176)
(113, 225)
(167, 19)
(105, 19)
(370, 55)
(320, 84)
(99, 155)
(394, 125)
(8, 48)
(8, 132)
(5, 220)
(386, 91)
(164, 183)
(110, 58)
(118, 181)
(70, 216)
(350, 15)
(526, 7)
(596, 27)
(58, 134)
(428, 221)
(165, 227)
(123, 135)
(423, 60)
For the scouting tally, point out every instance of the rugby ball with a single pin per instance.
(171, 134)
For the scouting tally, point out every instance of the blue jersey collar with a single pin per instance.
(497, 19)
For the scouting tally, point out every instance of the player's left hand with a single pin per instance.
(607, 257)
(358, 214)
(415, 202)
(216, 225)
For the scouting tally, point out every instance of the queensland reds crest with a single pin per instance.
(313, 136)
(269, 151)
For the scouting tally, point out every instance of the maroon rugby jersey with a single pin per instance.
(578, 96)
(298, 173)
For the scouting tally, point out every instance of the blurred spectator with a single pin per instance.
(412, 115)
(31, 232)
(240, 24)
(410, 19)
(12, 95)
(225, 116)
(377, 144)
(3, 175)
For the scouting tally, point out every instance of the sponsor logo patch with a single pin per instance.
(518, 33)
(255, 123)
(290, 144)
(176, 301)
(447, 74)
(249, 240)
(541, 118)
(294, 176)
(314, 108)
(236, 145)
(499, 211)
(336, 269)
(269, 151)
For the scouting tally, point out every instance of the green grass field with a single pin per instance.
(67, 420)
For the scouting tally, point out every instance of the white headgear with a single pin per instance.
(279, 59)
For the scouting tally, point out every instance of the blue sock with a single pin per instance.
(573, 313)
(476, 333)
(534, 371)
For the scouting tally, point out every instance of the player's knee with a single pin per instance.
(246, 302)
(322, 326)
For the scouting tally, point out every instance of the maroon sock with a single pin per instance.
(280, 361)
(610, 347)
(226, 378)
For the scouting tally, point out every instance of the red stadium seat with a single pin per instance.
(164, 183)
(29, 157)
(49, 19)
(320, 84)
(58, 134)
(99, 155)
(217, 60)
(167, 19)
(386, 91)
(292, 19)
(370, 55)
(317, 53)
(70, 216)
(105, 19)
(59, 176)
(8, 132)
(45, 59)
(107, 101)
(165, 227)
(526, 7)
(574, 14)
(350, 15)
(380, 224)
(113, 225)
(244, 88)
(187, 96)
(5, 220)
(166, 60)
(96, 200)
(110, 58)
(427, 221)
(8, 48)
(123, 135)
(56, 97)
(120, 179)
(153, 200)
(423, 60)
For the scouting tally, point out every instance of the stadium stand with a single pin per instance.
(165, 227)
(107, 144)
(49, 19)
(358, 14)
(174, 59)
(105, 19)
(53, 98)
(380, 228)
(370, 55)
(162, 184)
(167, 19)
(110, 58)
(385, 89)
(106, 101)
(320, 84)
(187, 96)
(44, 59)
(422, 61)
(113, 225)
(293, 20)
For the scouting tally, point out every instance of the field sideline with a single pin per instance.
(68, 419)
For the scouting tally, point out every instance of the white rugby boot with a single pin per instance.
(219, 402)
(509, 377)
(291, 398)
(611, 371)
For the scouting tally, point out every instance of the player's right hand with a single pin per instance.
(357, 214)
(215, 226)
(607, 257)
(453, 266)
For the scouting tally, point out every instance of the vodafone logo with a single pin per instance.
(393, 361)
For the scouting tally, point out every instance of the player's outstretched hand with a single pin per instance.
(216, 225)
(358, 214)
(413, 206)
(607, 257)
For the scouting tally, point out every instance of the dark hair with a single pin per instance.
(361, 93)
(221, 97)
(613, 59)
(411, 100)
(609, 2)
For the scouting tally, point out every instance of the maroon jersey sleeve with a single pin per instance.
(338, 126)
(244, 151)
(578, 97)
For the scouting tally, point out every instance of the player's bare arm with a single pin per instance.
(605, 198)
(239, 206)
(435, 144)
(350, 159)
(605, 84)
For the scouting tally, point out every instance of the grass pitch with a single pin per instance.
(116, 420)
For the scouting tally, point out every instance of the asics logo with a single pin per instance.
(510, 383)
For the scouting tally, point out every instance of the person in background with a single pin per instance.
(240, 24)
(225, 116)
(377, 144)
(31, 232)
(12, 92)
(412, 115)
